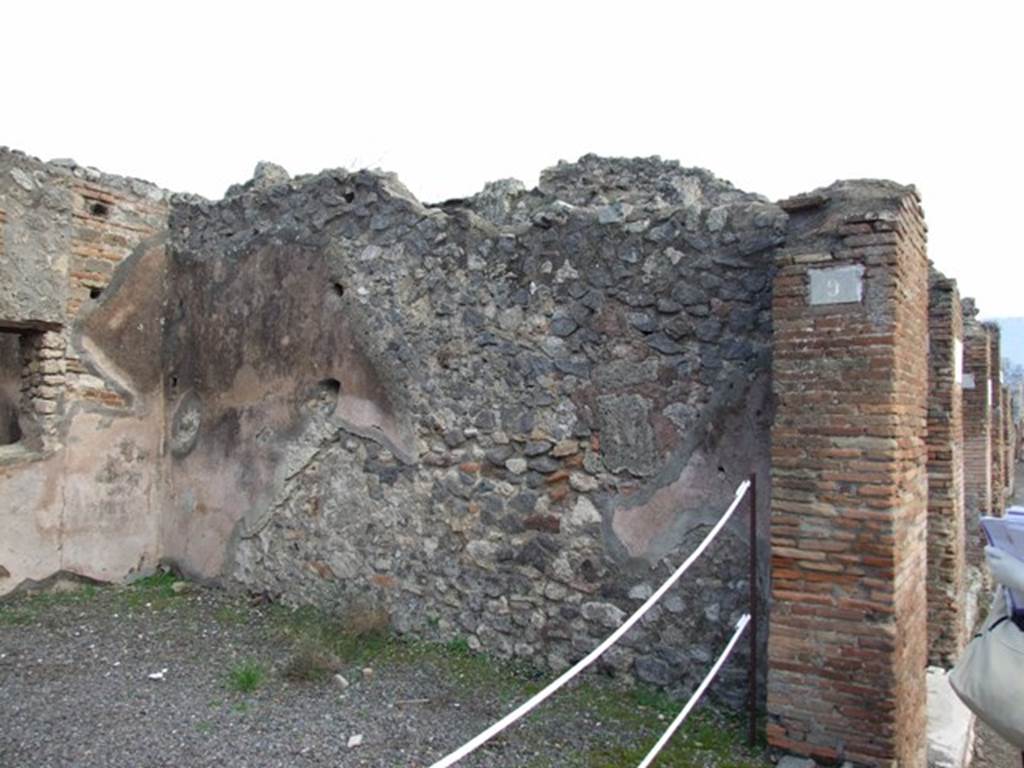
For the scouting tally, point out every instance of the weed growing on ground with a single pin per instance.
(161, 583)
(204, 727)
(324, 643)
(710, 738)
(154, 591)
(232, 614)
(31, 607)
(458, 646)
(311, 664)
(246, 676)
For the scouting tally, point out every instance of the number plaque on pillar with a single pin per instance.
(837, 285)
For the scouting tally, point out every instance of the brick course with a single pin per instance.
(848, 631)
(947, 631)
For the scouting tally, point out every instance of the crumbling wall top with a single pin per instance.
(58, 168)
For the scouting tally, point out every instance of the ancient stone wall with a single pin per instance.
(504, 418)
(1016, 385)
(79, 485)
(947, 599)
(997, 427)
(108, 222)
(848, 634)
(977, 431)
(35, 231)
(1009, 442)
(507, 417)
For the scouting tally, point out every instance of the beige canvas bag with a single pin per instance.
(989, 677)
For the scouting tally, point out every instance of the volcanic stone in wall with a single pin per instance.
(549, 357)
(627, 439)
(35, 230)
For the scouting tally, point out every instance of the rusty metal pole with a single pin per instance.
(752, 681)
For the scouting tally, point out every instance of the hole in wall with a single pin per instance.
(348, 195)
(330, 386)
(95, 292)
(174, 383)
(339, 289)
(10, 388)
(97, 208)
(325, 396)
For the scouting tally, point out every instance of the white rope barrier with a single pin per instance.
(740, 626)
(590, 658)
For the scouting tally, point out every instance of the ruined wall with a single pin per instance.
(947, 582)
(848, 634)
(503, 418)
(996, 428)
(1009, 442)
(35, 230)
(977, 431)
(1016, 385)
(78, 488)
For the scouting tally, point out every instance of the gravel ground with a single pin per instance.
(75, 691)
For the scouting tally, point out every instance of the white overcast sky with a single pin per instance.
(776, 97)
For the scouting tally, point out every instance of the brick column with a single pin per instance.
(42, 386)
(995, 392)
(1010, 459)
(947, 585)
(977, 430)
(848, 618)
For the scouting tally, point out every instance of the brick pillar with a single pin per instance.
(995, 393)
(42, 384)
(848, 618)
(1010, 460)
(947, 585)
(977, 430)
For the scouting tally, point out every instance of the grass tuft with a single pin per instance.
(246, 676)
(458, 646)
(310, 664)
(324, 642)
(32, 606)
(155, 591)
